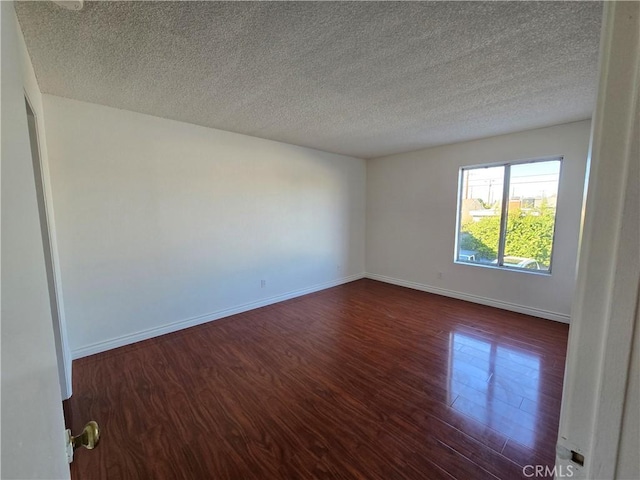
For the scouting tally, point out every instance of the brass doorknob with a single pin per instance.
(89, 437)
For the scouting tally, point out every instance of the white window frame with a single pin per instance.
(504, 214)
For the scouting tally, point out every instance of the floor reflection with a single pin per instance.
(495, 384)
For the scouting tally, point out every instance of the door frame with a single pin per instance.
(604, 312)
(45, 208)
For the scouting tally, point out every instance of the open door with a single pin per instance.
(59, 329)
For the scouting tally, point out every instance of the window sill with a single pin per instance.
(541, 273)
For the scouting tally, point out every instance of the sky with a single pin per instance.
(528, 180)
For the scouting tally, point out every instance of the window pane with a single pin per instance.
(533, 193)
(480, 212)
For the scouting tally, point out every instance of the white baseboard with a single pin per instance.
(191, 322)
(513, 307)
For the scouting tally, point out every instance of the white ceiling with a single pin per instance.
(359, 78)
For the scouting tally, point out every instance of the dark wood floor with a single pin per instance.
(365, 380)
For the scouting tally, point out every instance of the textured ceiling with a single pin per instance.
(359, 78)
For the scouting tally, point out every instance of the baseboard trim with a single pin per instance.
(123, 340)
(513, 307)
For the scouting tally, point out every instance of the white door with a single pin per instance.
(33, 433)
(59, 329)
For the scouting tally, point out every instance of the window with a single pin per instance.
(507, 214)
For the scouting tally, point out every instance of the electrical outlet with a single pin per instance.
(440, 276)
(338, 268)
(263, 283)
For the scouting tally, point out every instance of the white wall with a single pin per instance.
(628, 463)
(411, 221)
(163, 224)
(33, 441)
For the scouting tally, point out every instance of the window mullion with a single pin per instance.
(504, 214)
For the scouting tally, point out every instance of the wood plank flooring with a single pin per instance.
(366, 380)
